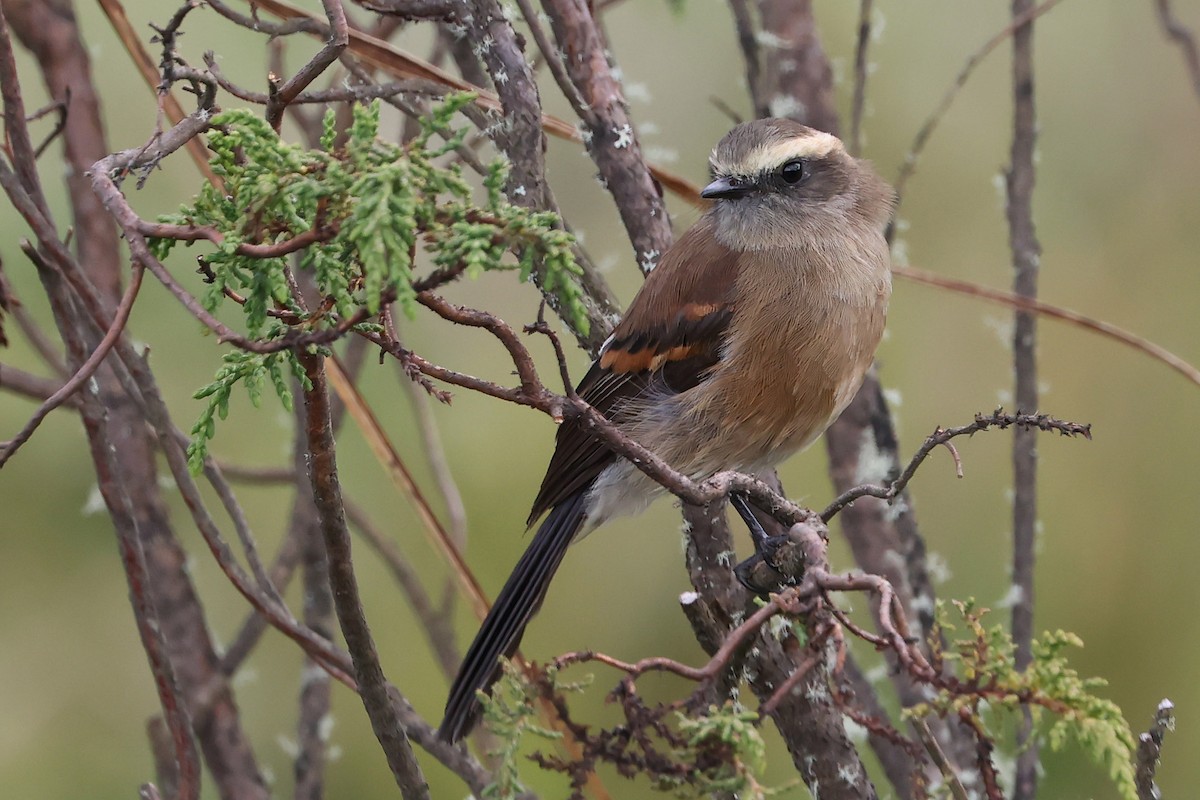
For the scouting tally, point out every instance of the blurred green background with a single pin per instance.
(1118, 214)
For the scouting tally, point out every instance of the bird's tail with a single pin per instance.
(518, 601)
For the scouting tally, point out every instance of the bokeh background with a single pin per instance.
(1118, 214)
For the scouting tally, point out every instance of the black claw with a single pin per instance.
(742, 505)
(779, 563)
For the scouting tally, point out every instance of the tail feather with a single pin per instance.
(516, 604)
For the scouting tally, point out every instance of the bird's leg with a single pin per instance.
(773, 565)
(757, 534)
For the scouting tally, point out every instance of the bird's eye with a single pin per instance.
(792, 171)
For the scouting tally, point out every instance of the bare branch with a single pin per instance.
(796, 74)
(859, 101)
(50, 354)
(743, 22)
(926, 130)
(1183, 37)
(610, 139)
(1044, 309)
(1026, 252)
(437, 626)
(35, 387)
(327, 495)
(338, 39)
(1149, 750)
(443, 10)
(942, 436)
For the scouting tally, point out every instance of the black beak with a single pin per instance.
(727, 188)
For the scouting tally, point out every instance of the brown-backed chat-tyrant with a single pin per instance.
(742, 346)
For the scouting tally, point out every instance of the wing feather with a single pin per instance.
(669, 341)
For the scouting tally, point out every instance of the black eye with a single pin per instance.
(792, 171)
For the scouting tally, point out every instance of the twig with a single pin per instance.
(312, 744)
(942, 436)
(900, 758)
(338, 39)
(716, 664)
(21, 150)
(357, 93)
(247, 474)
(35, 387)
(1149, 751)
(611, 140)
(42, 343)
(909, 166)
(381, 446)
(413, 9)
(59, 107)
(858, 103)
(799, 674)
(743, 23)
(255, 624)
(191, 233)
(439, 465)
(115, 12)
(983, 754)
(85, 371)
(1183, 37)
(1045, 309)
(327, 495)
(437, 626)
(1019, 182)
(939, 758)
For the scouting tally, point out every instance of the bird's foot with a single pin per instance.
(779, 563)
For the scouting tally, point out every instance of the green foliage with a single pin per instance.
(251, 370)
(509, 713)
(370, 206)
(728, 750)
(991, 688)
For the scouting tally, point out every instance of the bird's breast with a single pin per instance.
(800, 342)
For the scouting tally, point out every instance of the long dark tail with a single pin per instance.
(519, 600)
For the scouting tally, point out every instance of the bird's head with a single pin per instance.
(778, 183)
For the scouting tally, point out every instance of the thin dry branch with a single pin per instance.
(942, 437)
(327, 495)
(115, 11)
(1149, 750)
(909, 166)
(1183, 37)
(85, 371)
(437, 625)
(743, 22)
(389, 59)
(1044, 309)
(339, 37)
(610, 137)
(390, 459)
(861, 70)
(34, 387)
(443, 10)
(1026, 252)
(42, 344)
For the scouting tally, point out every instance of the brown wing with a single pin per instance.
(668, 341)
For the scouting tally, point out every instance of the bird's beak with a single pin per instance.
(727, 188)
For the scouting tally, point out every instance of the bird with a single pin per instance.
(743, 344)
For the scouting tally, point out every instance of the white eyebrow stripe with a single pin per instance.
(817, 144)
